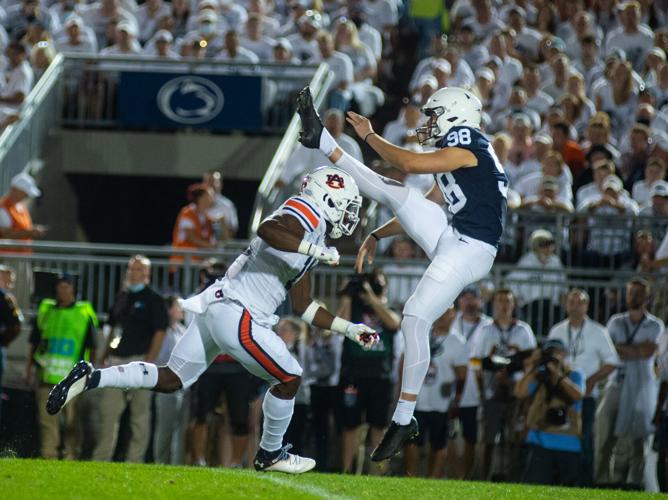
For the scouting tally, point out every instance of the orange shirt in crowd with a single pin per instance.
(188, 218)
(574, 157)
(20, 219)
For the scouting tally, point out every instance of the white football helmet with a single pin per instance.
(336, 194)
(446, 108)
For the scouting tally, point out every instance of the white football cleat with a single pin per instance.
(282, 462)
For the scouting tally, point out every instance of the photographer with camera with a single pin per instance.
(554, 420)
(500, 350)
(366, 375)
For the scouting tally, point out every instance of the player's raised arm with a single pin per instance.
(441, 160)
(316, 315)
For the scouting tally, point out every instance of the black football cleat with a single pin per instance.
(71, 386)
(311, 122)
(394, 439)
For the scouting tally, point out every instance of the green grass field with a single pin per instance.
(35, 479)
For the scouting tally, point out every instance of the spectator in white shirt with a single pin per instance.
(609, 237)
(552, 165)
(527, 38)
(28, 11)
(342, 67)
(233, 14)
(148, 15)
(485, 22)
(255, 41)
(633, 38)
(126, 42)
(461, 74)
(64, 9)
(537, 100)
(367, 96)
(18, 79)
(511, 69)
(410, 117)
(504, 337)
(469, 323)
(655, 171)
(624, 415)
(592, 353)
(99, 14)
(74, 40)
(369, 35)
(270, 26)
(282, 53)
(381, 14)
(539, 282)
(224, 212)
(233, 52)
(473, 53)
(304, 44)
(601, 169)
(589, 63)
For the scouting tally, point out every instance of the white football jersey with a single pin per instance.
(261, 276)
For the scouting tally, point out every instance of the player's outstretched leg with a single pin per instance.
(376, 187)
(278, 407)
(134, 375)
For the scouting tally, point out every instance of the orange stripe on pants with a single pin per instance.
(257, 353)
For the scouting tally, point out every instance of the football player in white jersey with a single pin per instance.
(469, 179)
(235, 315)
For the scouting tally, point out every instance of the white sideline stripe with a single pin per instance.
(306, 488)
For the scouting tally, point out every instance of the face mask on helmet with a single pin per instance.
(428, 134)
(340, 205)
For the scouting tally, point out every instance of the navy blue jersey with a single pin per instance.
(476, 196)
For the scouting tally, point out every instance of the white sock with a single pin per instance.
(385, 191)
(403, 412)
(277, 416)
(327, 143)
(135, 375)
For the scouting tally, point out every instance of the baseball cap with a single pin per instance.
(550, 182)
(613, 182)
(485, 73)
(522, 119)
(74, 21)
(442, 65)
(25, 182)
(164, 36)
(428, 80)
(558, 44)
(283, 43)
(658, 52)
(660, 188)
(617, 54)
(543, 138)
(128, 27)
(539, 236)
(207, 15)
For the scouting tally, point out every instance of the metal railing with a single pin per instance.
(22, 142)
(91, 87)
(268, 194)
(101, 270)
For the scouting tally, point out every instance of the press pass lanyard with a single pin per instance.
(468, 334)
(630, 336)
(574, 344)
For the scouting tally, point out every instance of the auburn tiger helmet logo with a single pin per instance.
(335, 181)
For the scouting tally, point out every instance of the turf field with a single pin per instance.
(36, 479)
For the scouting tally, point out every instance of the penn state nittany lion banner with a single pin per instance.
(171, 101)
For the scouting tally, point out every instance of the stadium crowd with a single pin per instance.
(575, 97)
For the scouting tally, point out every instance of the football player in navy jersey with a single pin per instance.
(469, 179)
